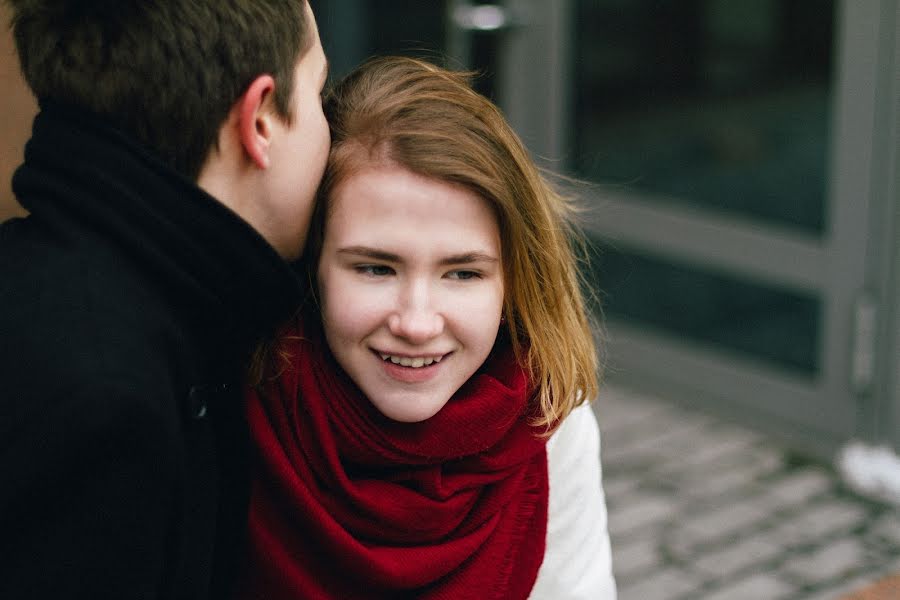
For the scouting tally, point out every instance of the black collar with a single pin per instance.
(84, 178)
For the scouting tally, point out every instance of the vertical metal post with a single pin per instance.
(536, 78)
(342, 27)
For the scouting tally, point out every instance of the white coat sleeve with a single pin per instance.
(577, 563)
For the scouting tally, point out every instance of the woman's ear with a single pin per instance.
(255, 113)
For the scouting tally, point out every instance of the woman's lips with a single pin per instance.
(411, 374)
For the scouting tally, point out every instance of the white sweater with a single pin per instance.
(577, 563)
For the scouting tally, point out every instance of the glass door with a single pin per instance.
(729, 148)
(460, 35)
(730, 152)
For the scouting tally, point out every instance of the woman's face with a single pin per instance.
(411, 281)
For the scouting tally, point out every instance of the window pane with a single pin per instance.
(723, 104)
(776, 325)
(353, 30)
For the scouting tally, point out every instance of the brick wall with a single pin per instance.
(17, 107)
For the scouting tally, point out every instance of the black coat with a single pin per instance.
(128, 301)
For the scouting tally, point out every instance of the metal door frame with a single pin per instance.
(819, 413)
(883, 425)
(858, 256)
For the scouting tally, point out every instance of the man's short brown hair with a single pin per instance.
(166, 72)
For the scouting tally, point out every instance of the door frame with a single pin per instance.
(843, 400)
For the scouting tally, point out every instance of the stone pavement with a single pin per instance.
(701, 509)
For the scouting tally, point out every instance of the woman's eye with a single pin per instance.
(464, 275)
(375, 270)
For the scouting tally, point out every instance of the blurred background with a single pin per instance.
(740, 170)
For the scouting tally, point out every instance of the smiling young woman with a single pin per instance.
(409, 273)
(426, 433)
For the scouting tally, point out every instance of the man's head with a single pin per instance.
(165, 72)
(225, 91)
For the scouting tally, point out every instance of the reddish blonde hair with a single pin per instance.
(408, 112)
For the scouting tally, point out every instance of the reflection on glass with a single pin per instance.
(776, 325)
(723, 104)
(416, 28)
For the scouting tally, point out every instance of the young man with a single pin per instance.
(170, 173)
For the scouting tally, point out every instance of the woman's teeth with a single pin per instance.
(415, 363)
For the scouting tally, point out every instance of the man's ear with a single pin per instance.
(256, 112)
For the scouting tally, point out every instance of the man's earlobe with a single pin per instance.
(256, 114)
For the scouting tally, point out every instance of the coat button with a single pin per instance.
(198, 400)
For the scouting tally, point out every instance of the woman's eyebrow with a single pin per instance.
(455, 259)
(367, 252)
(469, 257)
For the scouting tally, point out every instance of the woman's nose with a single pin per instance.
(416, 318)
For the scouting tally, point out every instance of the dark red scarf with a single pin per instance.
(347, 503)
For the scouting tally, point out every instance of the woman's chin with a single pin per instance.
(408, 410)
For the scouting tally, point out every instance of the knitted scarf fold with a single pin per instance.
(347, 503)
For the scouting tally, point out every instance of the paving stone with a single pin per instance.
(653, 444)
(800, 486)
(668, 584)
(642, 511)
(635, 556)
(635, 415)
(672, 455)
(761, 586)
(721, 523)
(616, 411)
(617, 485)
(713, 448)
(844, 557)
(676, 544)
(701, 510)
(887, 528)
(716, 483)
(820, 522)
(721, 480)
(733, 558)
(891, 565)
(839, 589)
